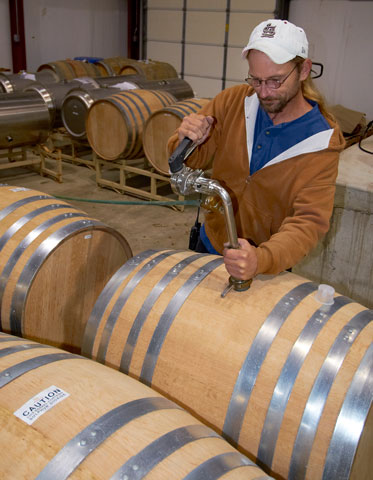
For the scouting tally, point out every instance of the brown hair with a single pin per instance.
(311, 92)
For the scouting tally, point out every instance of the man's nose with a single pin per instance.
(264, 91)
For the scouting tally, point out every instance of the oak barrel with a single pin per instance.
(151, 69)
(115, 124)
(63, 416)
(84, 69)
(161, 125)
(61, 68)
(113, 65)
(286, 378)
(54, 263)
(69, 69)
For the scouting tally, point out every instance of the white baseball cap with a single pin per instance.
(279, 39)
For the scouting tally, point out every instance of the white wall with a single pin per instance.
(201, 55)
(340, 34)
(60, 29)
(5, 45)
(56, 30)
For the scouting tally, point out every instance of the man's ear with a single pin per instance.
(306, 69)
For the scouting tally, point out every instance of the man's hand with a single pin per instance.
(196, 127)
(241, 263)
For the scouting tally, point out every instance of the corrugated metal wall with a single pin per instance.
(203, 39)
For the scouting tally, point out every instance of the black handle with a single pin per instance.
(176, 161)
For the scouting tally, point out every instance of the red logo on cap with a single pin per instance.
(269, 31)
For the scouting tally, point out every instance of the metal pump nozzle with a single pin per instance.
(185, 181)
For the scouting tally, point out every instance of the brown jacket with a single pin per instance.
(285, 206)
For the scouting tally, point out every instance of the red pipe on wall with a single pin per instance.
(17, 32)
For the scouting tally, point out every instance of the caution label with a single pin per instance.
(40, 403)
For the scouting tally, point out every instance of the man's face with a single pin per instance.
(261, 67)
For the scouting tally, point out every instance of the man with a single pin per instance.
(275, 150)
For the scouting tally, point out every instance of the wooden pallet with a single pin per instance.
(17, 157)
(46, 158)
(69, 149)
(126, 169)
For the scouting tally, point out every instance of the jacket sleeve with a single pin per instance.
(300, 232)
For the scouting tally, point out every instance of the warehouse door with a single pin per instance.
(203, 39)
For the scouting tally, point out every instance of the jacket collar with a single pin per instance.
(315, 143)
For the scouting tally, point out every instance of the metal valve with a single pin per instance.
(237, 285)
(185, 180)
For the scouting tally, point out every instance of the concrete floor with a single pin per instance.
(144, 226)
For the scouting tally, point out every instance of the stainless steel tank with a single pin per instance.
(58, 92)
(25, 118)
(76, 105)
(10, 83)
(178, 87)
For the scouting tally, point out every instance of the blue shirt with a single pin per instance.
(206, 242)
(271, 140)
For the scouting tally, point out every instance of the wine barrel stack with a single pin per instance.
(61, 93)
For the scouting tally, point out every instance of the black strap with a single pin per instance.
(194, 231)
(370, 124)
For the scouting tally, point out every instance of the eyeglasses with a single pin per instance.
(270, 83)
